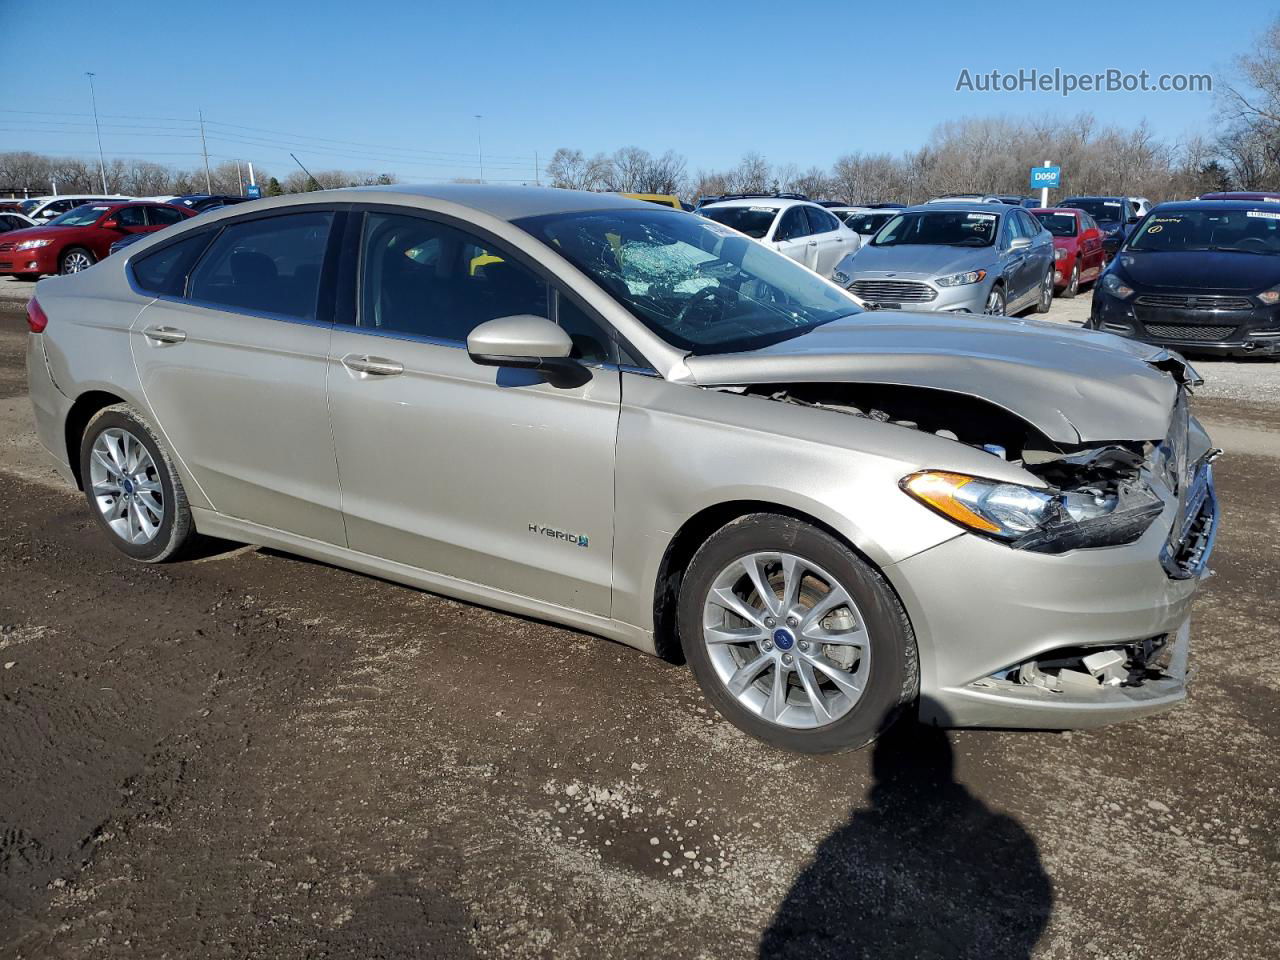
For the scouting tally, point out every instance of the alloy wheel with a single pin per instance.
(995, 303)
(75, 261)
(1073, 286)
(126, 486)
(786, 639)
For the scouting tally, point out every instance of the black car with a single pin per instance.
(200, 202)
(1115, 215)
(1014, 200)
(1202, 276)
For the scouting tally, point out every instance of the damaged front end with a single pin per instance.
(1098, 495)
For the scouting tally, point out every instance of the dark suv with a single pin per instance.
(1115, 215)
(1202, 276)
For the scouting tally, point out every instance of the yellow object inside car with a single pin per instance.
(662, 199)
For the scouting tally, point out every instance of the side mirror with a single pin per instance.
(1019, 243)
(529, 343)
(111, 223)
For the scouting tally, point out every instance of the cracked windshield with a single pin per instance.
(697, 284)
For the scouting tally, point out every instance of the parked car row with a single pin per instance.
(69, 233)
(1201, 276)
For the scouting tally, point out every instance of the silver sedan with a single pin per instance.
(645, 425)
(955, 257)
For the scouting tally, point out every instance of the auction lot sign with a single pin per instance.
(1046, 177)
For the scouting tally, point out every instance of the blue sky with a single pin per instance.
(400, 84)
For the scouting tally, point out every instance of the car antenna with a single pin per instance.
(307, 172)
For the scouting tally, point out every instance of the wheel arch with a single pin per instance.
(692, 533)
(82, 411)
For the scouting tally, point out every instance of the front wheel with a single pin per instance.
(77, 259)
(794, 638)
(1046, 294)
(132, 487)
(1073, 285)
(995, 302)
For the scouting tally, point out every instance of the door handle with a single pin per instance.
(164, 334)
(375, 366)
(813, 243)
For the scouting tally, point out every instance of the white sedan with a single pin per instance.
(805, 231)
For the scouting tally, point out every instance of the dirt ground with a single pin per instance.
(250, 755)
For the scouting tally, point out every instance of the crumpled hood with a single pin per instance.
(1074, 386)
(919, 260)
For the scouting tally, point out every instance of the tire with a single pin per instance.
(1045, 303)
(995, 302)
(137, 485)
(1073, 285)
(867, 641)
(76, 259)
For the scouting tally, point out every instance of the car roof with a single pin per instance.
(1216, 205)
(1055, 210)
(504, 202)
(964, 206)
(776, 202)
(1091, 196)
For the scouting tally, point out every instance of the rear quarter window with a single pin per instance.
(164, 272)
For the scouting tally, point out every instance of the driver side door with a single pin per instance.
(484, 474)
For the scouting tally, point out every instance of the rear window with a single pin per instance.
(1059, 224)
(753, 221)
(163, 272)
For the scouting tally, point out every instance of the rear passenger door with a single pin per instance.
(830, 238)
(792, 236)
(478, 473)
(232, 357)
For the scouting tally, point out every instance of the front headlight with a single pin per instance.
(32, 244)
(960, 279)
(1034, 518)
(1059, 254)
(1116, 287)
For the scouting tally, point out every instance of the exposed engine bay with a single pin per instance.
(1100, 493)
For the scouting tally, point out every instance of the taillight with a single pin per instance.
(37, 319)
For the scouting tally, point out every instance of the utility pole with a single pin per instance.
(239, 177)
(102, 164)
(479, 147)
(204, 148)
(537, 170)
(1044, 191)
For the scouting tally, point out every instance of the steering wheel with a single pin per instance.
(705, 294)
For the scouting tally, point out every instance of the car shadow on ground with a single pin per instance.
(926, 870)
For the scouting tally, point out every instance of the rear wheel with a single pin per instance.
(794, 638)
(133, 490)
(77, 259)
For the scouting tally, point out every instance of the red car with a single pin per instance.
(81, 237)
(1078, 257)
